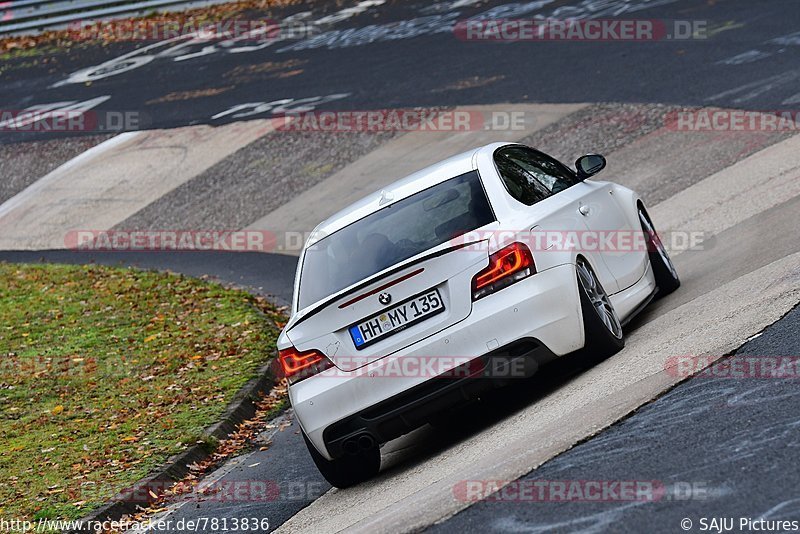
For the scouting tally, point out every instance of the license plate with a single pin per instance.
(396, 318)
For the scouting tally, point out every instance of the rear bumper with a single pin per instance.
(411, 409)
(533, 320)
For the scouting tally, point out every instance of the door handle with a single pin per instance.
(584, 210)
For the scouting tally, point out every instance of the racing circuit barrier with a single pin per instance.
(19, 17)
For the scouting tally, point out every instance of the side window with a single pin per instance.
(520, 184)
(551, 173)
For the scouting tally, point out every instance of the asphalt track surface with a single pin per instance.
(724, 446)
(745, 59)
(748, 62)
(287, 464)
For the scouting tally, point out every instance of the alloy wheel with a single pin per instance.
(599, 299)
(653, 238)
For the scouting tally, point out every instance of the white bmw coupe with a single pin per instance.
(458, 278)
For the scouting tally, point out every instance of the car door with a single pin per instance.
(599, 211)
(556, 197)
(604, 216)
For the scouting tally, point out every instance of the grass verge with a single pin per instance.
(106, 372)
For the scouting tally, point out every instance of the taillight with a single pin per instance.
(295, 366)
(506, 266)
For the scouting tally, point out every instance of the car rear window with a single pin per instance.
(393, 234)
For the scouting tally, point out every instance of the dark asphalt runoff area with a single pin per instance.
(270, 485)
(721, 446)
(265, 274)
(406, 54)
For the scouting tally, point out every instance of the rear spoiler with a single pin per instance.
(315, 308)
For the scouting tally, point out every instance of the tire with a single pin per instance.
(350, 469)
(602, 329)
(664, 271)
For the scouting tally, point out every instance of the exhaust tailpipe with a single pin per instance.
(366, 442)
(358, 443)
(350, 446)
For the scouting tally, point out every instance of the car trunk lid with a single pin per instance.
(447, 271)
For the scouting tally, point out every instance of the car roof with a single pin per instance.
(403, 188)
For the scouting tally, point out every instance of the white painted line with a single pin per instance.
(753, 90)
(29, 193)
(725, 199)
(109, 183)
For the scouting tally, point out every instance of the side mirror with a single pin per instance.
(589, 165)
